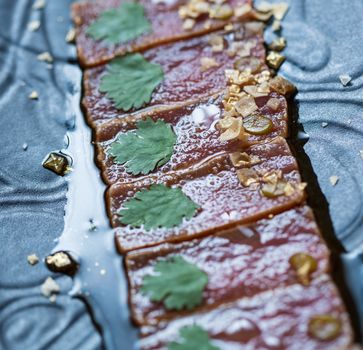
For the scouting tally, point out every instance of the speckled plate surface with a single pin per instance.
(324, 41)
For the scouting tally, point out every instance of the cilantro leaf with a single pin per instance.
(160, 206)
(178, 284)
(130, 81)
(120, 25)
(192, 338)
(150, 146)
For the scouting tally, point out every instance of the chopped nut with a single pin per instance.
(61, 262)
(57, 163)
(289, 189)
(235, 131)
(282, 86)
(275, 60)
(279, 10)
(53, 298)
(324, 124)
(33, 95)
(217, 43)
(272, 177)
(345, 79)
(271, 190)
(71, 36)
(228, 27)
(223, 12)
(207, 63)
(253, 90)
(333, 180)
(49, 287)
(276, 25)
(45, 57)
(33, 26)
(246, 105)
(251, 63)
(24, 146)
(242, 11)
(33, 259)
(278, 44)
(39, 4)
(254, 27)
(247, 176)
(304, 265)
(188, 24)
(240, 159)
(273, 103)
(324, 327)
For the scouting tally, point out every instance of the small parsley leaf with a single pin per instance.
(192, 338)
(177, 283)
(159, 206)
(130, 81)
(120, 25)
(146, 148)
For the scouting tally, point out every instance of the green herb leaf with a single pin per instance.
(160, 206)
(193, 338)
(130, 81)
(120, 25)
(141, 151)
(178, 284)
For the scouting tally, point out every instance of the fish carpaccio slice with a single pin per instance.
(185, 80)
(240, 262)
(198, 137)
(275, 319)
(166, 26)
(216, 188)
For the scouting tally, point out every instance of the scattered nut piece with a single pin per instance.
(243, 10)
(207, 63)
(58, 163)
(324, 327)
(34, 26)
(24, 146)
(217, 43)
(334, 180)
(246, 105)
(273, 103)
(304, 265)
(278, 44)
(33, 95)
(275, 60)
(247, 176)
(235, 131)
(45, 57)
(289, 190)
(228, 27)
(53, 298)
(282, 86)
(188, 24)
(49, 287)
(71, 35)
(33, 259)
(254, 27)
(276, 25)
(223, 12)
(39, 4)
(324, 124)
(345, 79)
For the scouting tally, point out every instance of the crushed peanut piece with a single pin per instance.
(33, 26)
(71, 36)
(39, 4)
(235, 131)
(289, 189)
(217, 43)
(49, 287)
(33, 95)
(275, 60)
(243, 10)
(33, 259)
(345, 79)
(304, 265)
(334, 180)
(247, 176)
(273, 103)
(207, 63)
(45, 57)
(246, 105)
(278, 44)
(282, 86)
(223, 12)
(276, 25)
(324, 124)
(188, 24)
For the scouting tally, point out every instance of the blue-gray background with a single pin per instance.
(324, 40)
